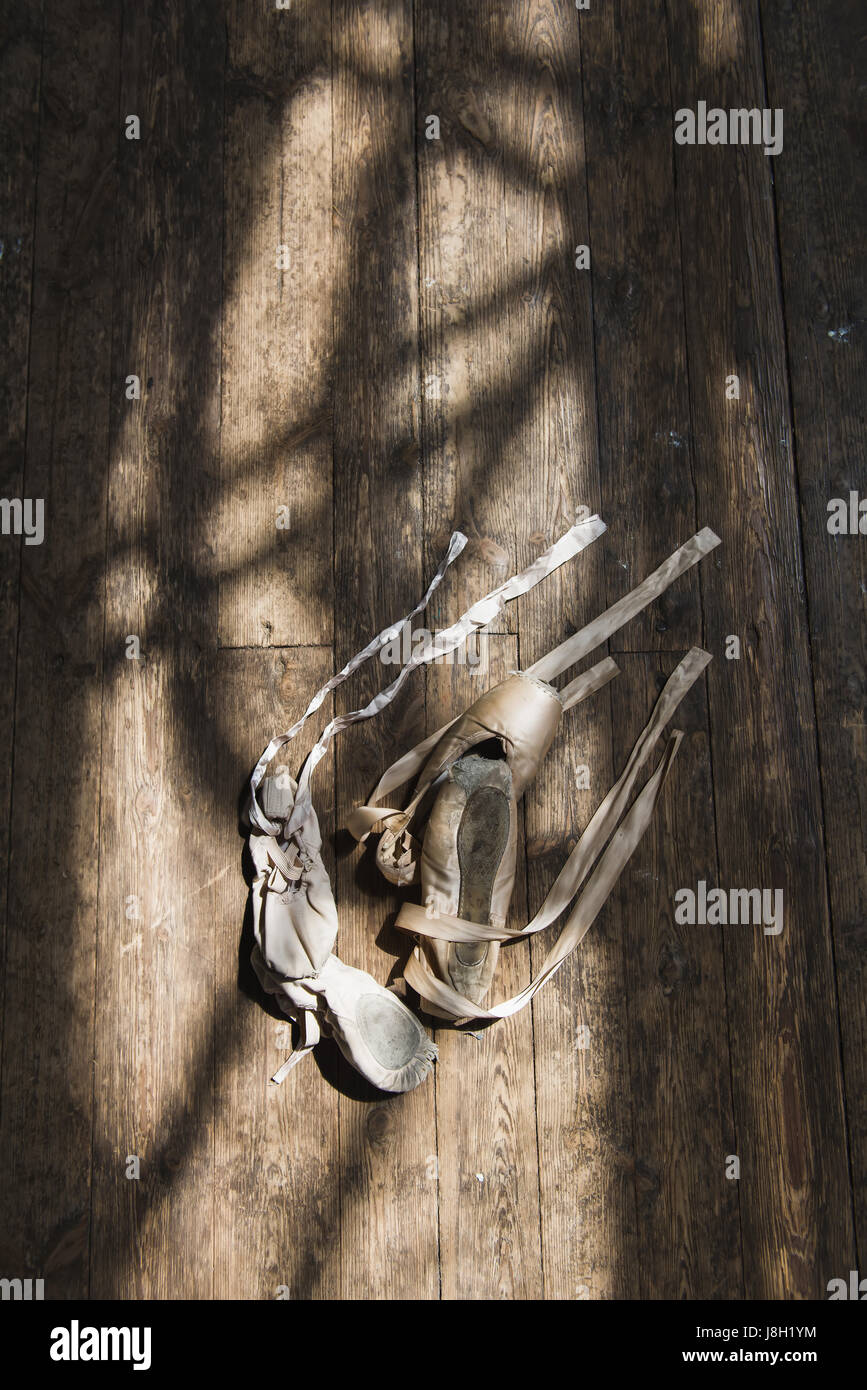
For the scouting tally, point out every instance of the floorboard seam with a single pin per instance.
(796, 482)
(691, 456)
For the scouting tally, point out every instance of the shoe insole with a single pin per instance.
(483, 835)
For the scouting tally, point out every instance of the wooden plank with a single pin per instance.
(586, 1208)
(274, 521)
(553, 451)
(497, 309)
(644, 437)
(275, 588)
(20, 75)
(685, 1240)
(486, 1121)
(48, 1042)
(276, 1156)
(388, 1221)
(467, 294)
(686, 1201)
(820, 188)
(583, 1098)
(154, 1047)
(794, 1188)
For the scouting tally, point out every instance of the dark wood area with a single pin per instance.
(350, 339)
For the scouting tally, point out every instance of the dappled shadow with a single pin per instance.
(175, 483)
(164, 566)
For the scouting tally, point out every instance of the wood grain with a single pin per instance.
(583, 1093)
(686, 1212)
(20, 79)
(686, 1202)
(154, 1045)
(388, 1238)
(486, 1121)
(585, 1224)
(788, 1104)
(820, 190)
(273, 532)
(554, 458)
(54, 840)
(641, 357)
(430, 356)
(276, 1149)
(468, 291)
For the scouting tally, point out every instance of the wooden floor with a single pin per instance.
(349, 338)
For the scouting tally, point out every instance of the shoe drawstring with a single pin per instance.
(308, 1023)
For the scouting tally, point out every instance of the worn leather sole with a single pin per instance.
(470, 839)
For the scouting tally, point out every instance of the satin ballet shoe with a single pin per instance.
(476, 768)
(467, 867)
(295, 926)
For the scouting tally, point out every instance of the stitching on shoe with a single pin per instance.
(540, 685)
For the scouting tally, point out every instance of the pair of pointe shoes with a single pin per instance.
(457, 838)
